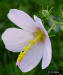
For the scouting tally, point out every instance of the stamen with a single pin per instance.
(26, 48)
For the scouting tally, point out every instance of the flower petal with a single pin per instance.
(47, 53)
(38, 21)
(21, 19)
(40, 24)
(15, 39)
(31, 60)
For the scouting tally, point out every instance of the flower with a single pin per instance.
(32, 41)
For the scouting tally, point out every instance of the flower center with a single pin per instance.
(38, 32)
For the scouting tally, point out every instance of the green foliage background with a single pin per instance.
(8, 59)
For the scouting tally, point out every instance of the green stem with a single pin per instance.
(51, 28)
(53, 22)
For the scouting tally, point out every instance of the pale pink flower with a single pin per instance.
(15, 39)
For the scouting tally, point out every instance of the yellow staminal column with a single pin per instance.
(39, 37)
(26, 48)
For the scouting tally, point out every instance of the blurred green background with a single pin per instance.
(8, 59)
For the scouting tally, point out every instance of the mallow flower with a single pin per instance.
(31, 40)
